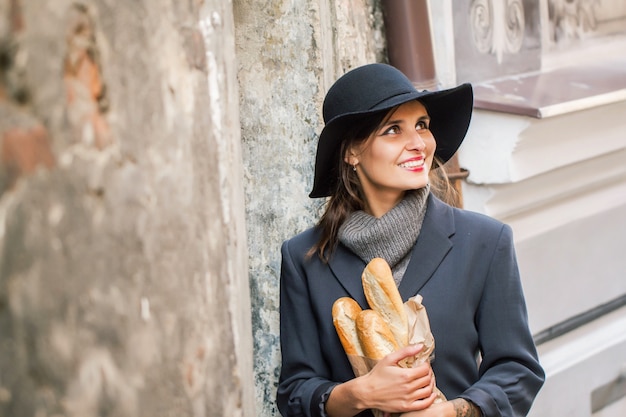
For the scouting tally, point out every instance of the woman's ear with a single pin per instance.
(350, 158)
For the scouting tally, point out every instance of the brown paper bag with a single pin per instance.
(419, 332)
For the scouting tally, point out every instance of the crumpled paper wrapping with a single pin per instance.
(419, 332)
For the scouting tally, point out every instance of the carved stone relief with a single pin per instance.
(497, 27)
(496, 37)
(571, 18)
(575, 20)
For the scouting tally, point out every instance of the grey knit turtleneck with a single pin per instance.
(391, 236)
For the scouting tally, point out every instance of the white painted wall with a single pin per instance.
(578, 363)
(560, 183)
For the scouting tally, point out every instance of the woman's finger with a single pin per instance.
(400, 354)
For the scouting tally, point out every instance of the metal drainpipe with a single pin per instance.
(410, 49)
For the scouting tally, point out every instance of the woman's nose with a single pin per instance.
(416, 142)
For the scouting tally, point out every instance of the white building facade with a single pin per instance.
(546, 153)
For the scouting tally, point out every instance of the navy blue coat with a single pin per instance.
(464, 266)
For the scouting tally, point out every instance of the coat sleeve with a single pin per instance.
(302, 388)
(509, 374)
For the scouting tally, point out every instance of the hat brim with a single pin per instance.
(450, 112)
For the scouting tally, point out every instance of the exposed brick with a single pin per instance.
(23, 150)
(83, 82)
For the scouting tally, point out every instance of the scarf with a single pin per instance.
(391, 237)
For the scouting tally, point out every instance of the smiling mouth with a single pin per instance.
(412, 164)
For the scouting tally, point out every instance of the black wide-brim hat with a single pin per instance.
(377, 87)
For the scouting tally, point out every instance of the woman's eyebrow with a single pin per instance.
(400, 121)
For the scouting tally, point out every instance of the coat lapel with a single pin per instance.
(432, 246)
(347, 268)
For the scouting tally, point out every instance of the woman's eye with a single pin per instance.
(421, 125)
(393, 130)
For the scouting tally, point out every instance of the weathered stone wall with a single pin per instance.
(288, 52)
(123, 264)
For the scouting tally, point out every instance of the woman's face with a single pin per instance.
(397, 157)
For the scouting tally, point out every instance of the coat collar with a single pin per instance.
(347, 268)
(432, 246)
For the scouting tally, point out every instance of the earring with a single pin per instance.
(354, 167)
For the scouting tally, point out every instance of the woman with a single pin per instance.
(381, 140)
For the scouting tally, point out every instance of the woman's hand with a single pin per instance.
(387, 387)
(395, 389)
(454, 408)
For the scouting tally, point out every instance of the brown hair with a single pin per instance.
(441, 185)
(348, 195)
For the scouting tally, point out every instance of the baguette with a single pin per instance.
(374, 334)
(345, 311)
(383, 296)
